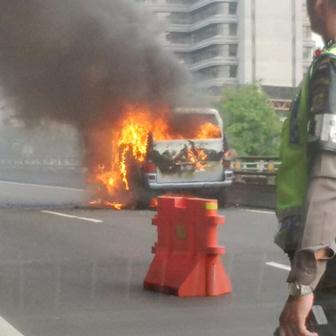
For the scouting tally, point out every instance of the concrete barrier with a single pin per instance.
(254, 177)
(251, 195)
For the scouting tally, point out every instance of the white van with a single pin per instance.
(189, 164)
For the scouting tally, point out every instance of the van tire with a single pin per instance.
(222, 197)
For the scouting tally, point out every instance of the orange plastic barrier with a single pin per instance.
(187, 256)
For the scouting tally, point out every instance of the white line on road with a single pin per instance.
(320, 315)
(41, 186)
(7, 329)
(267, 212)
(317, 310)
(93, 220)
(277, 265)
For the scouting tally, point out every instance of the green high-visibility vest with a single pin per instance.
(292, 178)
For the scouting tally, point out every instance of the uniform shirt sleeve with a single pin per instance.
(320, 208)
(322, 106)
(320, 222)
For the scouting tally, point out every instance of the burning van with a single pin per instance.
(180, 151)
(194, 162)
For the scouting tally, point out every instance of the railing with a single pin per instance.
(73, 164)
(254, 182)
(256, 169)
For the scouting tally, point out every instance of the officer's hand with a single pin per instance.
(294, 316)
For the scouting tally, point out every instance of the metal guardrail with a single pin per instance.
(255, 169)
(41, 163)
(255, 179)
(249, 170)
(254, 176)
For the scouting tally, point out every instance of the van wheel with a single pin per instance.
(222, 197)
(144, 199)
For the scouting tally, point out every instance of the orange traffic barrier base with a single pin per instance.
(187, 258)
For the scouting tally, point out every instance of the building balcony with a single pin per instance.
(214, 61)
(218, 18)
(194, 46)
(181, 8)
(202, 3)
(177, 47)
(215, 40)
(219, 81)
(169, 8)
(309, 43)
(178, 28)
(189, 28)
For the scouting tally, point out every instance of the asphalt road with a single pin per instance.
(82, 275)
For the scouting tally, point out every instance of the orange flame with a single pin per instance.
(129, 141)
(197, 157)
(208, 131)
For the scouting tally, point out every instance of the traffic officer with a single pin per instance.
(306, 185)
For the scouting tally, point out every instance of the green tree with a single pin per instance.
(250, 122)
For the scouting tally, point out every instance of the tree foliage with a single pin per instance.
(250, 122)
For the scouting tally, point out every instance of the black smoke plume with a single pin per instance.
(80, 61)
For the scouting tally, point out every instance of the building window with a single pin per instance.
(205, 54)
(180, 2)
(206, 12)
(233, 6)
(179, 18)
(233, 71)
(229, 29)
(227, 50)
(307, 53)
(178, 38)
(205, 33)
(233, 50)
(307, 33)
(226, 71)
(229, 8)
(233, 29)
(229, 71)
(209, 73)
(230, 50)
(226, 8)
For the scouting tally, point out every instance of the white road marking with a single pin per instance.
(317, 310)
(93, 220)
(319, 315)
(265, 212)
(7, 329)
(41, 186)
(279, 266)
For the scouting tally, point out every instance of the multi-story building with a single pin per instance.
(236, 42)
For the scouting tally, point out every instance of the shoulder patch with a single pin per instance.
(319, 87)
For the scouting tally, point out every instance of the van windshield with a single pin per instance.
(194, 126)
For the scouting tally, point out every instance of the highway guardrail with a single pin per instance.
(256, 169)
